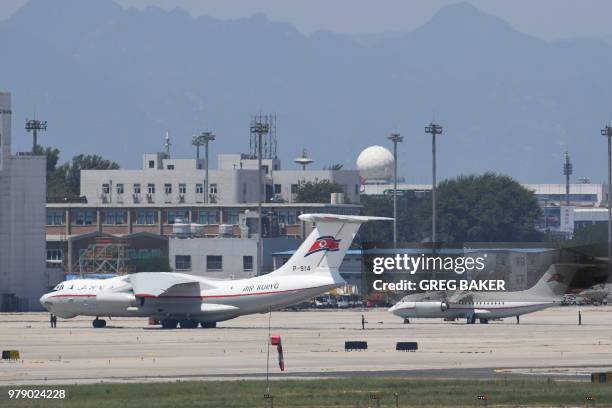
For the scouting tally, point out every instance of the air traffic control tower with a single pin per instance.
(22, 222)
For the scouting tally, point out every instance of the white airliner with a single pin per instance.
(187, 300)
(545, 293)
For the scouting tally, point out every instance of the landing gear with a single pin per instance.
(471, 319)
(188, 324)
(98, 323)
(169, 323)
(208, 325)
(484, 321)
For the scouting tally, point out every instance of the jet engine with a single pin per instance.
(116, 299)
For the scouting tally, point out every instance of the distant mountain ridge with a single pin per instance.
(111, 81)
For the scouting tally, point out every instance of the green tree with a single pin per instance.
(66, 179)
(590, 234)
(72, 170)
(486, 208)
(317, 191)
(56, 185)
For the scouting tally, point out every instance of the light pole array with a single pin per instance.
(607, 131)
(395, 138)
(433, 129)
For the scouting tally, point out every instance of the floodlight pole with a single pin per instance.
(607, 131)
(395, 138)
(433, 129)
(198, 141)
(260, 129)
(34, 125)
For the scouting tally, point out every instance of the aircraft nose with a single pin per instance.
(45, 301)
(400, 308)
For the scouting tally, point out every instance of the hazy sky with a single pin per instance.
(548, 19)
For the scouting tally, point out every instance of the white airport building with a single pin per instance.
(23, 277)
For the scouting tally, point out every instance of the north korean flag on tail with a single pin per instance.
(326, 243)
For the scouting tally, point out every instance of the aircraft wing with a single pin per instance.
(155, 284)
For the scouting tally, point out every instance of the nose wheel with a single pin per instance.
(98, 323)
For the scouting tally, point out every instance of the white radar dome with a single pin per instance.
(375, 163)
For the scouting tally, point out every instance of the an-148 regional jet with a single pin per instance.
(188, 300)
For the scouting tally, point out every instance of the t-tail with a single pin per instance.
(555, 281)
(323, 250)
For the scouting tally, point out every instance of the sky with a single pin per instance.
(546, 19)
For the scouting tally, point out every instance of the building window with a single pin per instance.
(170, 167)
(151, 188)
(176, 216)
(265, 168)
(277, 189)
(54, 217)
(199, 189)
(213, 188)
(119, 188)
(182, 262)
(145, 217)
(151, 164)
(136, 188)
(115, 217)
(105, 188)
(214, 263)
(356, 189)
(294, 189)
(54, 258)
(232, 217)
(286, 217)
(84, 217)
(168, 188)
(182, 188)
(207, 217)
(247, 263)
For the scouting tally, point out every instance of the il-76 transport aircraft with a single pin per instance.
(545, 293)
(187, 300)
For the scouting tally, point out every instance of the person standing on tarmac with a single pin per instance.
(362, 322)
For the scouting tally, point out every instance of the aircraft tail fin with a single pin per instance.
(555, 281)
(323, 250)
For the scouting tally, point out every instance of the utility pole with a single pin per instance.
(607, 131)
(260, 129)
(567, 171)
(395, 138)
(34, 125)
(433, 129)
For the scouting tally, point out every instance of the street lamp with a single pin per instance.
(607, 131)
(395, 138)
(433, 129)
(202, 140)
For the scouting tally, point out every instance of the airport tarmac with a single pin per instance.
(546, 344)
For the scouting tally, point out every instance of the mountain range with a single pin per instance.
(112, 81)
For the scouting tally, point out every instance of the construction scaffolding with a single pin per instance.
(105, 255)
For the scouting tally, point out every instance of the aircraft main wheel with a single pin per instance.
(484, 321)
(169, 323)
(98, 323)
(209, 325)
(188, 324)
